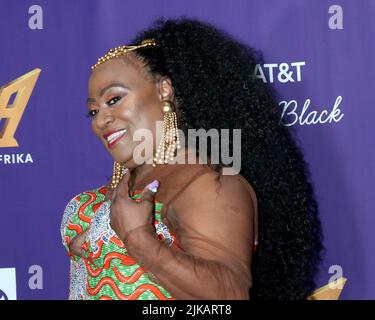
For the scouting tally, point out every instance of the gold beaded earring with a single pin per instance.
(170, 140)
(118, 172)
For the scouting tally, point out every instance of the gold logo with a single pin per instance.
(22, 88)
(330, 291)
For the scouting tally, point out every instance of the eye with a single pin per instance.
(92, 113)
(113, 100)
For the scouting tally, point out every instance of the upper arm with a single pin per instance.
(216, 221)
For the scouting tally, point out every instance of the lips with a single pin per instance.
(113, 136)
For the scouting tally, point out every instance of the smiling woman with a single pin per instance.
(123, 99)
(168, 228)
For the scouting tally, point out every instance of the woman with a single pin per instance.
(168, 229)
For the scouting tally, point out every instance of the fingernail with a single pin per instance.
(153, 186)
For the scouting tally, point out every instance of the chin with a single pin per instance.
(131, 164)
(127, 160)
(122, 160)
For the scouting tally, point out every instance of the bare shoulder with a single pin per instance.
(212, 189)
(211, 208)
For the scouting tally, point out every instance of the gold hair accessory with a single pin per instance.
(118, 172)
(170, 140)
(122, 50)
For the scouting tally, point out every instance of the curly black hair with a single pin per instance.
(212, 75)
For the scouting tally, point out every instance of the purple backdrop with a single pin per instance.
(329, 51)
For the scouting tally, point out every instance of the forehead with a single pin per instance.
(127, 70)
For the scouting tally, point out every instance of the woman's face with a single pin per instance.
(122, 99)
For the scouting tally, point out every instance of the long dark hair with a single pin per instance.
(212, 75)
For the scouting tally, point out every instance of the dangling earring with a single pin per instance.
(170, 140)
(118, 172)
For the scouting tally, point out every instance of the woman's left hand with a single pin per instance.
(126, 213)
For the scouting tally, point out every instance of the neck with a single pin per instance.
(142, 171)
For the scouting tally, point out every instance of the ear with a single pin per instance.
(165, 88)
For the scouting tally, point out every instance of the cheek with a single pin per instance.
(145, 115)
(148, 120)
(127, 110)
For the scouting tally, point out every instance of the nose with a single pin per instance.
(105, 118)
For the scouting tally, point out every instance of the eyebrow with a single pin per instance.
(101, 93)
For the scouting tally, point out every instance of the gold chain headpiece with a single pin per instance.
(122, 50)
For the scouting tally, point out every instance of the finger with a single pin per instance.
(108, 193)
(122, 189)
(148, 193)
(113, 194)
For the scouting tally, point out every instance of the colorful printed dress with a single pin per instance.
(107, 272)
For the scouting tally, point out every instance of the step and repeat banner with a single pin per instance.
(318, 55)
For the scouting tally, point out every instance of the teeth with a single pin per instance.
(115, 135)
